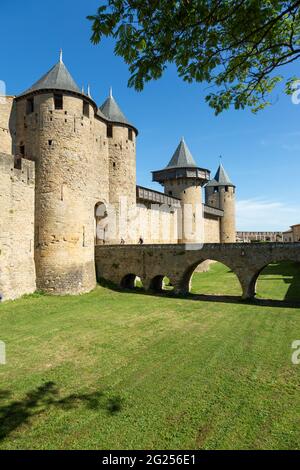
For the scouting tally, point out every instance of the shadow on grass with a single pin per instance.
(232, 299)
(17, 413)
(290, 274)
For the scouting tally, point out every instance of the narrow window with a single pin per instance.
(114, 164)
(50, 142)
(226, 189)
(83, 237)
(30, 106)
(18, 163)
(170, 193)
(58, 101)
(86, 109)
(109, 131)
(130, 134)
(22, 150)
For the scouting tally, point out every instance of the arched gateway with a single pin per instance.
(178, 262)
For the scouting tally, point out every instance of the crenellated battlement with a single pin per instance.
(18, 168)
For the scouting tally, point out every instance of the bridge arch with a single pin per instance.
(160, 283)
(100, 222)
(281, 263)
(156, 283)
(184, 285)
(129, 281)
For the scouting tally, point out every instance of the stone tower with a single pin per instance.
(57, 126)
(220, 193)
(7, 124)
(183, 179)
(121, 136)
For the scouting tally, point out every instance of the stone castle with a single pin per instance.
(63, 162)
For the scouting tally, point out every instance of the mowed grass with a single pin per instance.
(122, 370)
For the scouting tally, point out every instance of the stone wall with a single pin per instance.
(7, 124)
(296, 232)
(157, 225)
(211, 229)
(17, 269)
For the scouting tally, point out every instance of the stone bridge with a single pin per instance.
(121, 264)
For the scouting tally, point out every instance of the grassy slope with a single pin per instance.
(125, 370)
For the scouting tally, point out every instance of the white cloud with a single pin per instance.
(262, 215)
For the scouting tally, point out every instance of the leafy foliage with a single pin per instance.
(235, 45)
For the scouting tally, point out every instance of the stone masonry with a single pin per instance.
(17, 268)
(64, 163)
(151, 263)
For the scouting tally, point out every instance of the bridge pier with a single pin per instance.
(248, 289)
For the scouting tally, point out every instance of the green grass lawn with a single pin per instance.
(122, 370)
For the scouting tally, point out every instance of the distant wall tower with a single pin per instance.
(183, 179)
(220, 193)
(7, 124)
(56, 128)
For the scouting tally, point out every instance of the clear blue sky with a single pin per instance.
(260, 152)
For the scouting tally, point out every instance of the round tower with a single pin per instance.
(121, 137)
(7, 124)
(183, 179)
(56, 127)
(220, 193)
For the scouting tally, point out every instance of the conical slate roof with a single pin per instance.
(182, 157)
(110, 109)
(221, 178)
(58, 78)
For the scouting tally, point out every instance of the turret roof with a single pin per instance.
(182, 158)
(111, 110)
(58, 78)
(221, 178)
(181, 165)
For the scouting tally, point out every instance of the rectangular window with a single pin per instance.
(86, 109)
(22, 150)
(58, 101)
(130, 134)
(109, 132)
(30, 106)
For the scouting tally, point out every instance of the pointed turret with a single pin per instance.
(182, 157)
(181, 165)
(111, 110)
(58, 78)
(221, 178)
(220, 193)
(183, 179)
